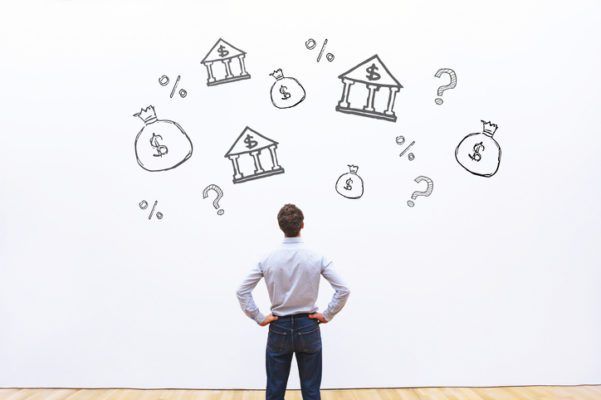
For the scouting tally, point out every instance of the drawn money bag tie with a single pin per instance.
(286, 92)
(350, 185)
(479, 153)
(161, 144)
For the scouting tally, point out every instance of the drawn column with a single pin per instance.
(234, 160)
(391, 98)
(274, 157)
(345, 93)
(209, 65)
(242, 66)
(258, 166)
(228, 70)
(371, 97)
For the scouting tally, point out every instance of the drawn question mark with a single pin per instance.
(425, 193)
(217, 189)
(451, 84)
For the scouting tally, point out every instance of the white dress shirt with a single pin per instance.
(292, 273)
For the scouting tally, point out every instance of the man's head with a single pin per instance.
(290, 219)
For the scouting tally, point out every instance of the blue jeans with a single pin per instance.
(293, 334)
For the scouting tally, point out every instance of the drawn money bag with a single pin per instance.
(161, 144)
(350, 185)
(479, 153)
(286, 92)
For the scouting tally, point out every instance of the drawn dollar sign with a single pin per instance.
(222, 51)
(250, 143)
(478, 147)
(161, 149)
(285, 93)
(348, 186)
(372, 74)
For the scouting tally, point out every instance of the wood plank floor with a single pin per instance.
(592, 392)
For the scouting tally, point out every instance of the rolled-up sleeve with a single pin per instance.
(245, 297)
(341, 293)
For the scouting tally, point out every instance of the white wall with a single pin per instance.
(486, 282)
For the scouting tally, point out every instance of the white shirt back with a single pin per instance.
(292, 274)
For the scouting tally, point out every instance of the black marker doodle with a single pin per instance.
(452, 84)
(425, 193)
(286, 92)
(251, 143)
(311, 44)
(144, 205)
(374, 74)
(164, 81)
(479, 153)
(349, 184)
(400, 140)
(216, 189)
(161, 144)
(220, 56)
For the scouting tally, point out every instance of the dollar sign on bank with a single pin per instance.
(372, 75)
(222, 51)
(250, 143)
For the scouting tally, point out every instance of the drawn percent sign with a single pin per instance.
(311, 44)
(144, 205)
(400, 140)
(164, 81)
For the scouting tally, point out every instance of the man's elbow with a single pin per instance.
(344, 292)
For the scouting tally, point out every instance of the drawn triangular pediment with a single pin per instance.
(222, 50)
(246, 142)
(372, 71)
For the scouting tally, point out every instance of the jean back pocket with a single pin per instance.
(277, 340)
(309, 341)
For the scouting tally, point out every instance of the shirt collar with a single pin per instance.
(292, 240)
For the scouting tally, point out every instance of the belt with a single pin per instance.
(294, 315)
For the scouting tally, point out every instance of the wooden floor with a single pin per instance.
(499, 393)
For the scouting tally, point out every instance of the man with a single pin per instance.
(292, 274)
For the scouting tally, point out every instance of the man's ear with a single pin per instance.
(302, 224)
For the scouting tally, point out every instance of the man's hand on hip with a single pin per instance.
(318, 316)
(268, 319)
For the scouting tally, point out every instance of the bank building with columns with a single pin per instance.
(369, 90)
(253, 156)
(224, 63)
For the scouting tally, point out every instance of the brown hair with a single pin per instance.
(290, 219)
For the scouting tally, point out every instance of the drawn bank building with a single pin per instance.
(253, 156)
(224, 64)
(369, 90)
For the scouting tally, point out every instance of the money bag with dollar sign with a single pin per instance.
(350, 185)
(286, 92)
(479, 153)
(161, 144)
